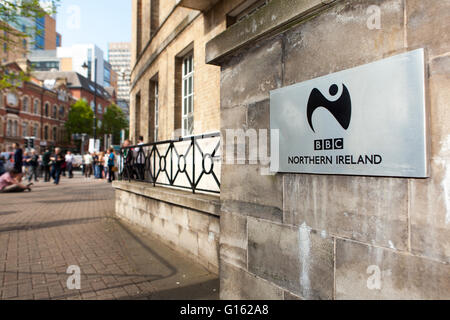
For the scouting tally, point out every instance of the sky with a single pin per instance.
(94, 21)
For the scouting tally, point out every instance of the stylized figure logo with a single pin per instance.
(341, 109)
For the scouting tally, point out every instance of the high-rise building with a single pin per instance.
(119, 56)
(75, 57)
(41, 33)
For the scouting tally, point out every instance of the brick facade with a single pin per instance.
(32, 110)
(157, 52)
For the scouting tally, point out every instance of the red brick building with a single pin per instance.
(34, 110)
(39, 107)
(81, 88)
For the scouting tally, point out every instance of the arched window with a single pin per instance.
(36, 131)
(15, 132)
(46, 132)
(54, 134)
(9, 129)
(46, 109)
(24, 129)
(62, 112)
(36, 107)
(26, 104)
(55, 112)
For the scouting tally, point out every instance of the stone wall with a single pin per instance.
(300, 236)
(185, 222)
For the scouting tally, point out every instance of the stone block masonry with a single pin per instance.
(332, 237)
(185, 222)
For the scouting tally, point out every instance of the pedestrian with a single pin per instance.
(33, 163)
(88, 165)
(9, 182)
(18, 159)
(69, 164)
(125, 161)
(3, 161)
(95, 164)
(105, 164)
(40, 171)
(46, 164)
(101, 164)
(57, 162)
(139, 156)
(26, 165)
(63, 165)
(111, 166)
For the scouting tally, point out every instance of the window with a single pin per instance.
(15, 131)
(93, 106)
(137, 115)
(55, 112)
(188, 96)
(26, 104)
(35, 131)
(46, 109)
(40, 33)
(156, 111)
(62, 112)
(54, 134)
(25, 129)
(9, 128)
(36, 107)
(154, 17)
(99, 109)
(139, 28)
(46, 132)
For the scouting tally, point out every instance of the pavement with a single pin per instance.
(45, 232)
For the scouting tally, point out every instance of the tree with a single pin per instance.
(13, 31)
(80, 119)
(114, 120)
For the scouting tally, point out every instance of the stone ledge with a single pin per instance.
(270, 19)
(200, 202)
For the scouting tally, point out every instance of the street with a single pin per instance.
(44, 232)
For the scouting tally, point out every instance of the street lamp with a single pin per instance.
(85, 66)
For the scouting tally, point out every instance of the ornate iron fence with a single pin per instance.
(188, 163)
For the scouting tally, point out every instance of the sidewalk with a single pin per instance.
(44, 232)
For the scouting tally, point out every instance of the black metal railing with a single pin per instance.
(183, 163)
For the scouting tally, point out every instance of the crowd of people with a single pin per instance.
(17, 166)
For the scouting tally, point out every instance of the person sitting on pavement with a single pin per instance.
(9, 182)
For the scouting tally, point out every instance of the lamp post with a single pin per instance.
(85, 66)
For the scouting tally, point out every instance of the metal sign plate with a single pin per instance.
(370, 120)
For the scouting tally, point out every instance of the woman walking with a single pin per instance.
(111, 161)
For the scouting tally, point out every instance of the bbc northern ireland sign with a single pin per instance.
(370, 120)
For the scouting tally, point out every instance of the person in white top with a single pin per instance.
(88, 165)
(139, 157)
(69, 163)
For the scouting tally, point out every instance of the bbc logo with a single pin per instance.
(329, 144)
